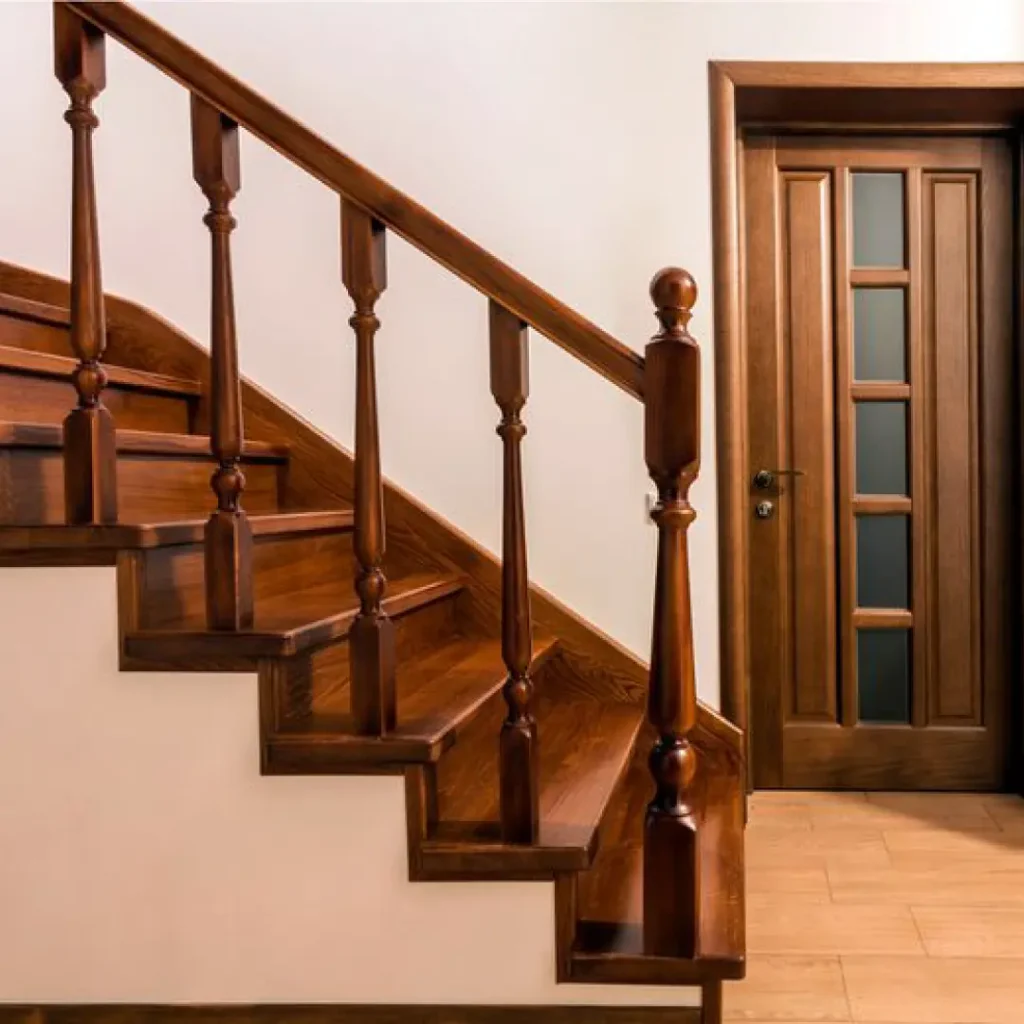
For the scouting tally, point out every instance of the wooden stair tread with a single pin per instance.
(609, 937)
(30, 309)
(584, 746)
(163, 534)
(45, 364)
(292, 623)
(136, 442)
(439, 691)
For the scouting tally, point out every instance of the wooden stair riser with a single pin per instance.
(39, 399)
(149, 487)
(172, 593)
(318, 682)
(25, 332)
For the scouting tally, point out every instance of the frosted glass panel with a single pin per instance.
(883, 675)
(883, 561)
(879, 334)
(881, 447)
(878, 220)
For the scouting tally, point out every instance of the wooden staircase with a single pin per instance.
(527, 739)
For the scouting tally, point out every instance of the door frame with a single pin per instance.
(833, 98)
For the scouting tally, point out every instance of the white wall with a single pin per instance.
(570, 139)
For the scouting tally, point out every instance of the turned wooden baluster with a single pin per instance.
(90, 450)
(372, 636)
(672, 451)
(510, 385)
(229, 585)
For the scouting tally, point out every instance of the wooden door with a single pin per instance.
(881, 455)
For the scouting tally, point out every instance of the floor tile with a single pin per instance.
(783, 924)
(979, 884)
(1007, 809)
(927, 990)
(944, 847)
(971, 932)
(812, 881)
(906, 811)
(802, 990)
(924, 910)
(803, 798)
(770, 847)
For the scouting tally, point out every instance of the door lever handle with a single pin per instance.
(764, 479)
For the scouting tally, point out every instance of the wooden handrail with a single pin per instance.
(417, 225)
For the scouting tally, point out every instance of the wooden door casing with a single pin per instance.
(956, 278)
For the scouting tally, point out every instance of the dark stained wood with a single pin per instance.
(39, 312)
(806, 504)
(35, 386)
(296, 623)
(577, 733)
(153, 535)
(36, 335)
(350, 1014)
(951, 305)
(749, 98)
(712, 1007)
(672, 450)
(510, 386)
(608, 944)
(438, 694)
(28, 397)
(319, 474)
(326, 673)
(764, 447)
(890, 757)
(577, 335)
(138, 442)
(153, 484)
(229, 586)
(43, 364)
(957, 199)
(372, 639)
(859, 96)
(90, 462)
(730, 398)
(790, 298)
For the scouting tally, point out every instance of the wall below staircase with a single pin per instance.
(145, 859)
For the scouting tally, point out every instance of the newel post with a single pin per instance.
(228, 540)
(372, 636)
(518, 786)
(90, 450)
(672, 452)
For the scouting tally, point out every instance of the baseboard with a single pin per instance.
(353, 1014)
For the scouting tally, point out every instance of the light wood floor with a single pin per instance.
(894, 908)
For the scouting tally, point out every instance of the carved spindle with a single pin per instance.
(90, 451)
(372, 636)
(510, 385)
(229, 585)
(672, 451)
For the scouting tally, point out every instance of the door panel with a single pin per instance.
(950, 257)
(810, 522)
(878, 328)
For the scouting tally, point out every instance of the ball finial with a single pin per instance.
(674, 292)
